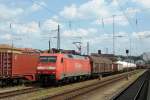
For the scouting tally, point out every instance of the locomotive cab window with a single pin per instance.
(48, 59)
(70, 56)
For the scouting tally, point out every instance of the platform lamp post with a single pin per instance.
(127, 52)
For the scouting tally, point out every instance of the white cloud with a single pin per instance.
(36, 6)
(31, 27)
(7, 13)
(55, 17)
(25, 34)
(79, 32)
(30, 30)
(90, 9)
(142, 34)
(132, 10)
(121, 20)
(97, 9)
(94, 7)
(115, 2)
(70, 12)
(144, 3)
(6, 36)
(50, 24)
(123, 34)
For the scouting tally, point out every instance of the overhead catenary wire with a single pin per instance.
(130, 23)
(53, 12)
(70, 22)
(136, 28)
(45, 7)
(63, 20)
(125, 15)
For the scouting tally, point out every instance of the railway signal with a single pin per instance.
(127, 51)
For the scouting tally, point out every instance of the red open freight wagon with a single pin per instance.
(18, 66)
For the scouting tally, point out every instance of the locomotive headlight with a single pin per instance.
(40, 67)
(51, 67)
(46, 68)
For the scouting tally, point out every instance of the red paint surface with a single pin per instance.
(69, 66)
(18, 65)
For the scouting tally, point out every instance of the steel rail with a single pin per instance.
(67, 95)
(18, 92)
(138, 92)
(89, 88)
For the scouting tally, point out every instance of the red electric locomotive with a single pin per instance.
(62, 67)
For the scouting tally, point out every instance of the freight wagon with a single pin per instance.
(16, 67)
(62, 67)
(100, 65)
(123, 66)
(117, 67)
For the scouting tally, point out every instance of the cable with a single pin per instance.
(134, 29)
(87, 20)
(45, 7)
(125, 15)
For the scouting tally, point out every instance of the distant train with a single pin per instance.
(66, 67)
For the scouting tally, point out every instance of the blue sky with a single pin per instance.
(32, 22)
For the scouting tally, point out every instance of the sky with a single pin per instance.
(31, 23)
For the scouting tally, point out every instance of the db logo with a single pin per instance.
(78, 66)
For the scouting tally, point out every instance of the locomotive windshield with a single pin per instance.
(48, 59)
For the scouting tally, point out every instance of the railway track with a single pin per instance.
(67, 95)
(18, 92)
(137, 90)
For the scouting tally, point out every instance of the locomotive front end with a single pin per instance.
(46, 69)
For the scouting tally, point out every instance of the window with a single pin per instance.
(48, 59)
(70, 56)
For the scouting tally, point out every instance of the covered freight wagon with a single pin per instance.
(62, 67)
(100, 65)
(117, 67)
(123, 66)
(16, 66)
